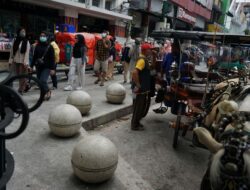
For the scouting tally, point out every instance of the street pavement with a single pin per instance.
(147, 160)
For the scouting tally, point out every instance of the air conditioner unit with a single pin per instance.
(161, 26)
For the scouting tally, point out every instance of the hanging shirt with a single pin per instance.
(68, 52)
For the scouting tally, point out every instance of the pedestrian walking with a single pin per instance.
(44, 61)
(141, 87)
(126, 58)
(19, 58)
(57, 59)
(77, 66)
(102, 54)
(134, 53)
(111, 59)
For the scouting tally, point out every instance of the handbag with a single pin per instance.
(40, 61)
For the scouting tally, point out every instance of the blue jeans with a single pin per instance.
(43, 76)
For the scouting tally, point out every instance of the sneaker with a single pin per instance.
(102, 83)
(68, 88)
(97, 81)
(79, 88)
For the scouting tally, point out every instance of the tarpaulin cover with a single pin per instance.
(63, 38)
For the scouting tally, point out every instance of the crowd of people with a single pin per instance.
(139, 60)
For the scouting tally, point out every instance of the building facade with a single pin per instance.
(175, 14)
(238, 22)
(84, 15)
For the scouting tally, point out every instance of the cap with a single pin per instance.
(145, 46)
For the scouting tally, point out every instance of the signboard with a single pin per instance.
(194, 7)
(215, 28)
(206, 3)
(185, 16)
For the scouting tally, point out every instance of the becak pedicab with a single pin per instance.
(187, 91)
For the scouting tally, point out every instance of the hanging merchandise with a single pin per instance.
(5, 43)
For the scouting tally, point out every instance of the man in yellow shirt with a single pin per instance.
(57, 59)
(141, 87)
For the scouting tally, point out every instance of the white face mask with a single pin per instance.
(22, 34)
(104, 35)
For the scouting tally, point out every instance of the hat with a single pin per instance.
(146, 46)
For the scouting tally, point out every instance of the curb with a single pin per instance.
(108, 117)
(93, 123)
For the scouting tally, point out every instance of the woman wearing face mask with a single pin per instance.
(19, 58)
(77, 65)
(44, 60)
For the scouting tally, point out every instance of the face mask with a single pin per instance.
(22, 34)
(104, 35)
(43, 39)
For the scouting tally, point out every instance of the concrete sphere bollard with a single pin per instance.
(65, 120)
(81, 100)
(94, 159)
(116, 93)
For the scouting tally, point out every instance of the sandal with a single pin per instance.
(47, 96)
(27, 88)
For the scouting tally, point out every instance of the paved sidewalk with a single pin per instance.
(101, 111)
(146, 158)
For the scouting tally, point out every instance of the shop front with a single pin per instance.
(92, 24)
(33, 18)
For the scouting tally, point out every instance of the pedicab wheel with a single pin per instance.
(177, 126)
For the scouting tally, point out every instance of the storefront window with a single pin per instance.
(96, 3)
(108, 5)
(9, 22)
(39, 23)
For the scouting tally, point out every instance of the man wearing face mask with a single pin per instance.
(102, 55)
(19, 58)
(44, 60)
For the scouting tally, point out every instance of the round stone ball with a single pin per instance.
(115, 93)
(81, 100)
(94, 159)
(65, 120)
